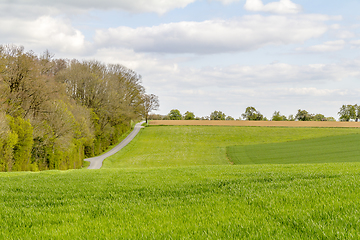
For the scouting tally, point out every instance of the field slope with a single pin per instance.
(343, 148)
(175, 182)
(173, 146)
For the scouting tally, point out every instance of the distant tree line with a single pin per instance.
(346, 113)
(56, 112)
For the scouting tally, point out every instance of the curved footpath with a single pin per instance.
(96, 162)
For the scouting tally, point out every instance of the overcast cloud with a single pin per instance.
(217, 36)
(207, 55)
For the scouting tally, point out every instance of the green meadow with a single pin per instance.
(172, 146)
(177, 182)
(344, 148)
(313, 201)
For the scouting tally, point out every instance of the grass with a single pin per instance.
(176, 183)
(344, 148)
(319, 201)
(174, 146)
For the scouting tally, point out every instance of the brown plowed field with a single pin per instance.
(255, 123)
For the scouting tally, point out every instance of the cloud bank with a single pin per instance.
(216, 36)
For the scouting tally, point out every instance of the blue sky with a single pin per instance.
(206, 55)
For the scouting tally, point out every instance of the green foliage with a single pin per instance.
(7, 143)
(348, 112)
(251, 114)
(291, 118)
(22, 148)
(343, 148)
(312, 201)
(61, 110)
(171, 146)
(229, 118)
(217, 115)
(278, 117)
(175, 115)
(189, 116)
(303, 115)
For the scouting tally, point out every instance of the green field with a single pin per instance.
(172, 146)
(210, 202)
(343, 148)
(177, 183)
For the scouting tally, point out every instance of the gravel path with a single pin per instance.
(96, 162)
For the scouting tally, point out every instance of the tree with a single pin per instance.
(277, 117)
(357, 109)
(252, 114)
(53, 112)
(319, 117)
(189, 116)
(175, 115)
(217, 115)
(229, 118)
(151, 102)
(347, 112)
(303, 115)
(291, 118)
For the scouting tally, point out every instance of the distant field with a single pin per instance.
(319, 201)
(173, 146)
(256, 123)
(343, 148)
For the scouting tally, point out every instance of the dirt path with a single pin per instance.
(256, 123)
(96, 162)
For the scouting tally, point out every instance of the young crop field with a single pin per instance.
(176, 182)
(172, 146)
(343, 148)
(319, 201)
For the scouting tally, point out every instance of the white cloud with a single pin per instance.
(313, 92)
(330, 46)
(355, 43)
(216, 36)
(228, 1)
(43, 33)
(138, 6)
(281, 7)
(231, 89)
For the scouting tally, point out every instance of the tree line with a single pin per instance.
(346, 113)
(56, 112)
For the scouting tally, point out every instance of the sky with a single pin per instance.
(207, 55)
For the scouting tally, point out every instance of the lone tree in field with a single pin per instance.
(189, 116)
(252, 114)
(175, 115)
(151, 102)
(217, 115)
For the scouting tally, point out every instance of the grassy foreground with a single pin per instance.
(320, 201)
(172, 146)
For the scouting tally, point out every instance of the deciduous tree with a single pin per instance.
(217, 115)
(252, 114)
(278, 117)
(175, 115)
(189, 116)
(151, 102)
